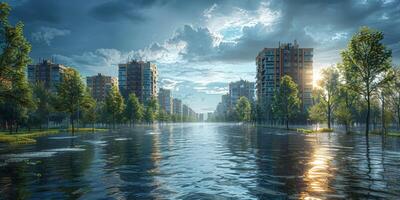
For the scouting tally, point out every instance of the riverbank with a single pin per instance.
(28, 137)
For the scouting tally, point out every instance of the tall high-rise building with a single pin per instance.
(46, 72)
(287, 59)
(238, 89)
(138, 77)
(165, 100)
(100, 85)
(177, 105)
(185, 111)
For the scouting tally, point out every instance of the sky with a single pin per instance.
(199, 46)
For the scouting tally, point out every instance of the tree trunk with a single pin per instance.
(368, 115)
(287, 122)
(72, 124)
(329, 116)
(383, 116)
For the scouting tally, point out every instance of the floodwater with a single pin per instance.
(202, 161)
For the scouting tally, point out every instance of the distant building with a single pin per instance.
(177, 107)
(201, 117)
(238, 89)
(287, 59)
(210, 116)
(185, 111)
(46, 72)
(138, 77)
(100, 85)
(165, 100)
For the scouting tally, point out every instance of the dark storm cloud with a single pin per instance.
(46, 11)
(122, 9)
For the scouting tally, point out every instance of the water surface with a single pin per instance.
(202, 161)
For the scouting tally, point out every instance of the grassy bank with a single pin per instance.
(25, 137)
(309, 131)
(28, 137)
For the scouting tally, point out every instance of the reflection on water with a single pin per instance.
(202, 161)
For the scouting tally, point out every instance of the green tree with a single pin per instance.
(89, 110)
(114, 105)
(71, 95)
(329, 84)
(15, 93)
(44, 100)
(151, 112)
(316, 113)
(243, 109)
(367, 60)
(395, 95)
(133, 109)
(346, 109)
(286, 102)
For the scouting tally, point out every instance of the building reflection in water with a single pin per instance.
(319, 172)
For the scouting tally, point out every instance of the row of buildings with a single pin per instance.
(137, 77)
(273, 63)
(236, 90)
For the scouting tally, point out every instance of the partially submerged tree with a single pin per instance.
(71, 94)
(243, 109)
(286, 102)
(367, 60)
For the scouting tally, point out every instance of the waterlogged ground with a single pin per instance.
(202, 161)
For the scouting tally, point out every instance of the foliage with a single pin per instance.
(71, 94)
(15, 93)
(114, 105)
(367, 62)
(133, 109)
(286, 102)
(243, 109)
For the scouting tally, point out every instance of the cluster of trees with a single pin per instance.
(242, 111)
(32, 106)
(362, 89)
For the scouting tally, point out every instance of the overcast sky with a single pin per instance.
(199, 46)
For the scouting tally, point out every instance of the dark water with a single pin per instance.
(202, 161)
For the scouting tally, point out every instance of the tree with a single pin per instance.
(243, 109)
(89, 109)
(346, 106)
(286, 103)
(71, 94)
(329, 85)
(133, 109)
(15, 93)
(316, 113)
(44, 99)
(114, 105)
(367, 60)
(151, 111)
(395, 95)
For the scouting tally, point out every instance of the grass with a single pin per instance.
(87, 130)
(24, 137)
(308, 131)
(28, 137)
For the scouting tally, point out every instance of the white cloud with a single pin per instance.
(229, 24)
(47, 34)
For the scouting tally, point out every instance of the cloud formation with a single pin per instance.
(199, 46)
(47, 34)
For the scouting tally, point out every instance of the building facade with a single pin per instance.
(177, 107)
(138, 77)
(287, 59)
(165, 100)
(100, 85)
(238, 89)
(47, 73)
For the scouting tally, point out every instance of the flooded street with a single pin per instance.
(202, 161)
